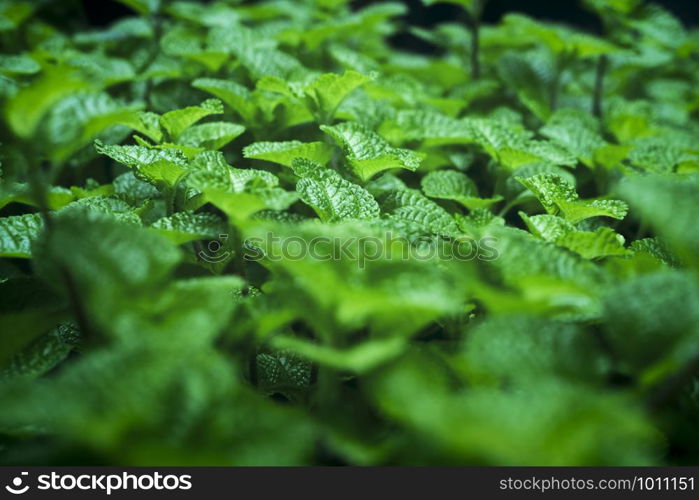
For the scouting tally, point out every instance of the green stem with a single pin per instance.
(508, 207)
(170, 194)
(599, 86)
(562, 61)
(473, 21)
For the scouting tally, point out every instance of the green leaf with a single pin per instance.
(43, 354)
(351, 283)
(147, 123)
(104, 207)
(18, 65)
(143, 7)
(265, 61)
(579, 210)
(124, 29)
(283, 372)
(237, 97)
(183, 227)
(433, 128)
(652, 316)
(513, 147)
(285, 153)
(57, 196)
(209, 170)
(520, 256)
(177, 121)
(25, 110)
(576, 132)
(522, 347)
(155, 166)
(668, 204)
(549, 189)
(361, 359)
(237, 206)
(454, 185)
(547, 227)
(327, 91)
(602, 242)
(492, 425)
(332, 197)
(77, 120)
(17, 233)
(532, 78)
(560, 40)
(368, 153)
(212, 135)
(419, 215)
(110, 264)
(558, 196)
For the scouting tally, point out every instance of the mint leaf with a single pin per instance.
(285, 153)
(183, 227)
(213, 135)
(17, 234)
(417, 214)
(168, 166)
(332, 197)
(558, 196)
(233, 94)
(367, 153)
(328, 91)
(453, 185)
(177, 121)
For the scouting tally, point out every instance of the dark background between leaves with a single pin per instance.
(102, 12)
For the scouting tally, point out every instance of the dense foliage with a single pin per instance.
(256, 233)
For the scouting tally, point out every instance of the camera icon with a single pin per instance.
(213, 253)
(16, 487)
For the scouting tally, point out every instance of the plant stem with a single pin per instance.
(473, 21)
(507, 207)
(599, 86)
(562, 61)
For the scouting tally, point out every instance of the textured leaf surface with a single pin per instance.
(558, 196)
(453, 185)
(329, 90)
(151, 165)
(367, 152)
(17, 233)
(236, 96)
(332, 197)
(213, 135)
(285, 153)
(186, 226)
(177, 121)
(419, 214)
